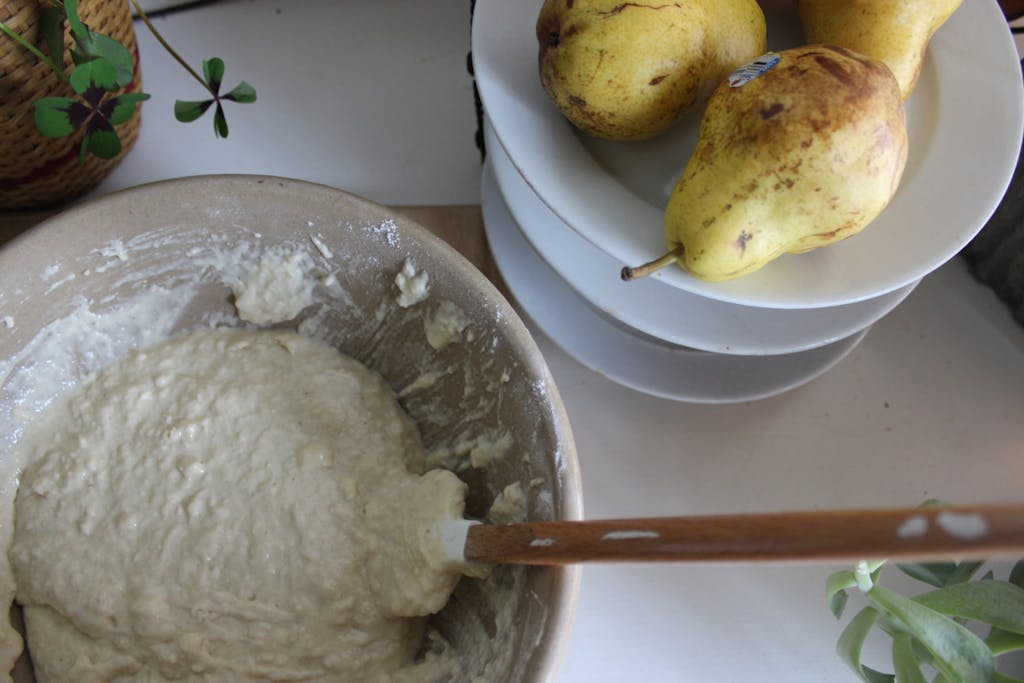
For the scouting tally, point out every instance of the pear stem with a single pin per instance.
(633, 272)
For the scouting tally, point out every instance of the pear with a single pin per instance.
(628, 70)
(894, 32)
(803, 155)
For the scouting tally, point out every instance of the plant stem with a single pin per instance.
(167, 46)
(33, 49)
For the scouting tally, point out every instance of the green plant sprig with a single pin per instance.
(103, 66)
(213, 74)
(929, 630)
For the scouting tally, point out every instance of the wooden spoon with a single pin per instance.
(932, 533)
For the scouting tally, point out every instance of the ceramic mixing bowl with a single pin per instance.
(131, 268)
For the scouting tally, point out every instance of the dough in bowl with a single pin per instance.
(231, 505)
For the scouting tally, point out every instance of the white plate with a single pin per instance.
(666, 312)
(628, 357)
(965, 122)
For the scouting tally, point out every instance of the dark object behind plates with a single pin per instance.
(996, 254)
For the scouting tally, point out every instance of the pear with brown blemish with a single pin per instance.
(628, 70)
(896, 33)
(804, 155)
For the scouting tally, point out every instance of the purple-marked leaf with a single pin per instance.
(213, 71)
(242, 93)
(104, 143)
(95, 75)
(220, 122)
(120, 109)
(98, 124)
(186, 111)
(53, 118)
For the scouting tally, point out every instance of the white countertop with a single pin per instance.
(374, 97)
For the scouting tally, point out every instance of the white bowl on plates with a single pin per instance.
(964, 118)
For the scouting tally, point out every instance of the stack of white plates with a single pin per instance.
(564, 212)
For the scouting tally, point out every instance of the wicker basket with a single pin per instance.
(35, 170)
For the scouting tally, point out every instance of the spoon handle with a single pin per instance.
(933, 533)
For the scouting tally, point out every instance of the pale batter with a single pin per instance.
(230, 506)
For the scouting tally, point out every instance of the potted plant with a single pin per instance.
(70, 95)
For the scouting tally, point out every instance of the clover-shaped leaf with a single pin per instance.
(116, 55)
(102, 142)
(102, 65)
(187, 111)
(213, 76)
(93, 78)
(120, 109)
(58, 117)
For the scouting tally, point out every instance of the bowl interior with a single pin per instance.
(129, 269)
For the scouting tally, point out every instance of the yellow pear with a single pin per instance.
(628, 70)
(803, 155)
(896, 32)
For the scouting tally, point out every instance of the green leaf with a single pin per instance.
(104, 143)
(958, 654)
(98, 73)
(78, 28)
(51, 26)
(1017, 574)
(117, 55)
(964, 571)
(1001, 642)
(940, 574)
(83, 149)
(122, 107)
(851, 643)
(997, 603)
(905, 661)
(213, 71)
(1003, 678)
(835, 590)
(52, 116)
(134, 96)
(220, 122)
(186, 111)
(243, 93)
(932, 573)
(837, 603)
